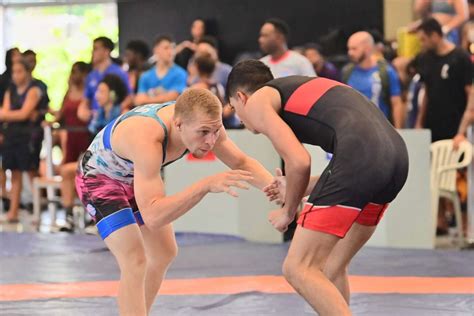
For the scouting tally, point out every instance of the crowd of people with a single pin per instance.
(430, 90)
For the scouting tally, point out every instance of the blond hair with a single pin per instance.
(195, 100)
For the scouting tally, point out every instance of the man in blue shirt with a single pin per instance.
(103, 65)
(374, 78)
(164, 82)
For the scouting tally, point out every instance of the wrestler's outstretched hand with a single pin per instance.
(276, 190)
(222, 182)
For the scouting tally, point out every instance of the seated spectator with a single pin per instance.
(205, 65)
(164, 82)
(75, 138)
(136, 57)
(322, 67)
(208, 46)
(111, 92)
(19, 112)
(451, 14)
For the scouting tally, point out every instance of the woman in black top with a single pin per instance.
(19, 113)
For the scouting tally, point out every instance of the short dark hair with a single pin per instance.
(22, 61)
(208, 39)
(83, 67)
(162, 38)
(106, 42)
(116, 85)
(9, 57)
(205, 64)
(29, 52)
(314, 46)
(280, 26)
(248, 75)
(430, 26)
(139, 47)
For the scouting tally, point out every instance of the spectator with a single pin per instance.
(102, 65)
(374, 78)
(205, 65)
(467, 38)
(137, 53)
(445, 71)
(281, 61)
(321, 66)
(43, 107)
(164, 82)
(467, 119)
(186, 49)
(75, 138)
(450, 14)
(30, 58)
(208, 46)
(19, 112)
(12, 55)
(110, 93)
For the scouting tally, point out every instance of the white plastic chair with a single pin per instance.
(445, 161)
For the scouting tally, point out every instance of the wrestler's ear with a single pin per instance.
(177, 122)
(242, 97)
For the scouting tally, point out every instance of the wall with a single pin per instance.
(397, 13)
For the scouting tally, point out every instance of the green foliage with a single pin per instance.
(72, 42)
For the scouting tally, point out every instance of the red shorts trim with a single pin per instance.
(334, 220)
(338, 219)
(371, 214)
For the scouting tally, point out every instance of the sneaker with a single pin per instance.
(68, 227)
(91, 230)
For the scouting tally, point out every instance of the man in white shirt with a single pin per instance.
(281, 61)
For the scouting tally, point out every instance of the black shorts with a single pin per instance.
(357, 186)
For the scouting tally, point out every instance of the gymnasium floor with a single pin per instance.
(61, 274)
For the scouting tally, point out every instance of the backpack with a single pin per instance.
(383, 72)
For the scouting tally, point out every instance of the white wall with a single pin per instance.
(408, 222)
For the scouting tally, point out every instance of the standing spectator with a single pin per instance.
(38, 134)
(136, 57)
(186, 49)
(75, 138)
(164, 82)
(19, 112)
(102, 65)
(281, 61)
(445, 71)
(12, 55)
(374, 78)
(321, 66)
